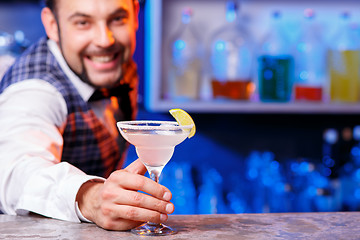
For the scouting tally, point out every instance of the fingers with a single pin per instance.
(118, 196)
(136, 167)
(138, 199)
(129, 181)
(130, 213)
(127, 221)
(128, 199)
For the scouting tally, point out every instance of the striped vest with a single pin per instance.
(88, 145)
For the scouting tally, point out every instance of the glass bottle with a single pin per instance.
(231, 58)
(186, 61)
(275, 64)
(310, 59)
(330, 152)
(344, 62)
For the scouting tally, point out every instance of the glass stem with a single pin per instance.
(154, 175)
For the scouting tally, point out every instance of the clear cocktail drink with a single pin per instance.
(154, 142)
(155, 148)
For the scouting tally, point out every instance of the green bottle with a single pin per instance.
(275, 65)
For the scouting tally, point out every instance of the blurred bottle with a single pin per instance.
(211, 195)
(302, 189)
(237, 192)
(350, 175)
(344, 62)
(350, 189)
(330, 153)
(254, 168)
(186, 61)
(346, 143)
(328, 197)
(310, 58)
(178, 178)
(355, 150)
(275, 64)
(185, 194)
(7, 53)
(277, 189)
(231, 57)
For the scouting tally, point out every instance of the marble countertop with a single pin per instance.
(341, 225)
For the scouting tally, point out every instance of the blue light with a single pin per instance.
(321, 181)
(329, 162)
(356, 133)
(327, 172)
(252, 173)
(294, 167)
(357, 193)
(348, 167)
(268, 74)
(180, 201)
(280, 187)
(186, 15)
(231, 11)
(267, 47)
(220, 45)
(230, 16)
(275, 165)
(179, 44)
(267, 180)
(355, 151)
(312, 191)
(331, 136)
(304, 167)
(357, 174)
(301, 47)
(304, 75)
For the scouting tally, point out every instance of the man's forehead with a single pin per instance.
(84, 4)
(92, 8)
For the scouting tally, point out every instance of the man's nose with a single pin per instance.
(104, 37)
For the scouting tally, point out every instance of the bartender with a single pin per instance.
(60, 151)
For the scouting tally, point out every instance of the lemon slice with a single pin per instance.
(183, 119)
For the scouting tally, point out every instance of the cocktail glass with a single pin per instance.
(154, 142)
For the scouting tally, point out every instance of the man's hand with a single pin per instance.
(116, 204)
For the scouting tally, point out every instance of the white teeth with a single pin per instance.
(102, 59)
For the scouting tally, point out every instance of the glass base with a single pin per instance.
(153, 229)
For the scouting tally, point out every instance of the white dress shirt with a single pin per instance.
(32, 119)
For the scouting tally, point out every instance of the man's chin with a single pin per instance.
(104, 80)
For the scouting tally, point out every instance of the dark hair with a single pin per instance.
(50, 4)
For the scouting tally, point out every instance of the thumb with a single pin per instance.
(136, 167)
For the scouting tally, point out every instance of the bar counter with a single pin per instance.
(340, 225)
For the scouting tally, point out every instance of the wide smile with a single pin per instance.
(103, 62)
(102, 59)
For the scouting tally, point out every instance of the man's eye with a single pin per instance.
(82, 23)
(119, 19)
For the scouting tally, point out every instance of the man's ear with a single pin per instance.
(50, 24)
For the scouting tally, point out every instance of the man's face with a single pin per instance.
(97, 37)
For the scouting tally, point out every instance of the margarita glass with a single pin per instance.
(154, 142)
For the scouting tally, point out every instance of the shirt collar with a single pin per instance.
(85, 90)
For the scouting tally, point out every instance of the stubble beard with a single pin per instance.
(83, 75)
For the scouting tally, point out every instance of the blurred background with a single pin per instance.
(273, 87)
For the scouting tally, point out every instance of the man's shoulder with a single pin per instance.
(37, 53)
(37, 62)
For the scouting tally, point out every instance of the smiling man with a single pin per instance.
(60, 151)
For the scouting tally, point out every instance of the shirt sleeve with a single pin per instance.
(32, 177)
